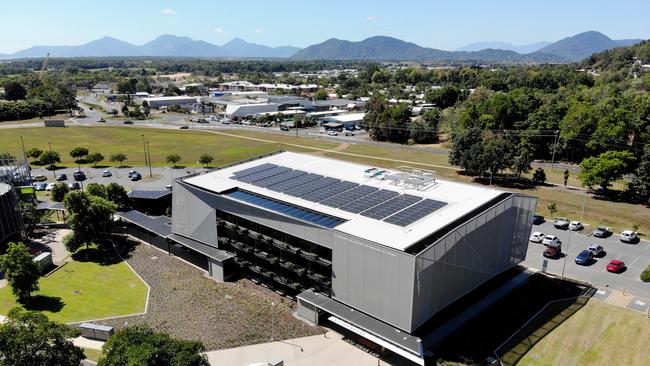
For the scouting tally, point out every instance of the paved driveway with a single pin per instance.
(635, 256)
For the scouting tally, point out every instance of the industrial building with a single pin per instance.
(378, 252)
(159, 102)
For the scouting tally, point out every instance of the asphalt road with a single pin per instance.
(635, 256)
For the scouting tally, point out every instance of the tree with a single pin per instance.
(29, 338)
(466, 149)
(495, 156)
(95, 158)
(79, 154)
(601, 170)
(59, 191)
(444, 97)
(552, 208)
(140, 345)
(21, 271)
(125, 110)
(117, 194)
(173, 159)
(34, 153)
(14, 91)
(88, 216)
(205, 160)
(321, 94)
(539, 176)
(424, 130)
(50, 158)
(31, 216)
(96, 189)
(640, 184)
(118, 157)
(522, 158)
(566, 176)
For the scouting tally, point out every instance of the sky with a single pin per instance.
(443, 24)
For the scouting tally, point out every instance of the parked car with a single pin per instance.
(575, 226)
(102, 120)
(332, 133)
(538, 219)
(628, 236)
(39, 178)
(49, 186)
(284, 128)
(106, 173)
(132, 172)
(136, 177)
(74, 185)
(184, 128)
(553, 251)
(561, 223)
(615, 266)
(537, 237)
(596, 250)
(551, 240)
(128, 122)
(40, 186)
(79, 176)
(602, 232)
(61, 177)
(349, 133)
(584, 258)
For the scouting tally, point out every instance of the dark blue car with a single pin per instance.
(584, 258)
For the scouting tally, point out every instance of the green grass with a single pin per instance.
(83, 291)
(598, 334)
(92, 354)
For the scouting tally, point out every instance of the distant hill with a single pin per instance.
(241, 48)
(523, 49)
(388, 48)
(174, 46)
(583, 45)
(621, 58)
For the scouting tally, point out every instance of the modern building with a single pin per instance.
(378, 252)
(159, 102)
(11, 223)
(348, 121)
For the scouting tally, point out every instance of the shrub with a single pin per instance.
(59, 191)
(645, 275)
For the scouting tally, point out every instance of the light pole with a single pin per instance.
(554, 148)
(144, 150)
(272, 321)
(566, 254)
(583, 209)
(22, 142)
(149, 159)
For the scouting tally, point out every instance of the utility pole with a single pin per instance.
(583, 208)
(144, 150)
(566, 254)
(22, 142)
(149, 159)
(272, 321)
(557, 135)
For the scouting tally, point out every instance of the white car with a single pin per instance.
(628, 236)
(576, 226)
(596, 249)
(106, 173)
(49, 186)
(537, 237)
(551, 240)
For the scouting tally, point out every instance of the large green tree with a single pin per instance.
(601, 170)
(21, 271)
(117, 194)
(640, 184)
(28, 338)
(466, 150)
(89, 217)
(140, 345)
(14, 91)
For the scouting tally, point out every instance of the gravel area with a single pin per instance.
(189, 305)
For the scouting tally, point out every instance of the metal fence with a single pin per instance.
(15, 172)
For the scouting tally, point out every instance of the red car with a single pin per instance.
(615, 266)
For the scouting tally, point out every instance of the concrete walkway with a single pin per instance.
(328, 350)
(87, 343)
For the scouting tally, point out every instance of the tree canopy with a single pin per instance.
(21, 271)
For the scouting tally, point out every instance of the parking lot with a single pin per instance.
(636, 258)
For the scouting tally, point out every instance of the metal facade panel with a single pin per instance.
(476, 251)
(197, 222)
(373, 279)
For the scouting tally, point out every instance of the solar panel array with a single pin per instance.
(371, 202)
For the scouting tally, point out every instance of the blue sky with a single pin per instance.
(444, 24)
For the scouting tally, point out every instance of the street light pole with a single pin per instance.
(22, 142)
(149, 159)
(554, 148)
(144, 150)
(566, 254)
(272, 321)
(583, 208)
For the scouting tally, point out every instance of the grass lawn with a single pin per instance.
(92, 354)
(37, 119)
(83, 291)
(598, 334)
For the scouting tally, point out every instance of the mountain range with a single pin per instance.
(377, 48)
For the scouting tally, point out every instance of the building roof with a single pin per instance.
(337, 102)
(159, 225)
(149, 195)
(168, 99)
(351, 117)
(457, 199)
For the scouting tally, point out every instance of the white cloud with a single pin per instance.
(369, 18)
(258, 30)
(168, 11)
(218, 30)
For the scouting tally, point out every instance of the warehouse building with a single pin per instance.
(377, 252)
(159, 102)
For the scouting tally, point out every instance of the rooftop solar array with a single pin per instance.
(412, 214)
(375, 203)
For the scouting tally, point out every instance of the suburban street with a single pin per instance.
(635, 256)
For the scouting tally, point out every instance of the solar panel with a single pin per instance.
(348, 196)
(315, 185)
(253, 170)
(415, 212)
(263, 174)
(278, 178)
(368, 201)
(329, 191)
(389, 207)
(295, 182)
